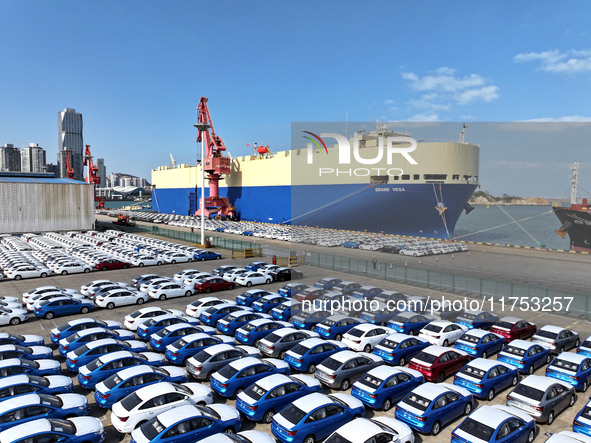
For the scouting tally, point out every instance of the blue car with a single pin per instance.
(477, 319)
(315, 415)
(207, 255)
(125, 381)
(247, 298)
(585, 347)
(384, 386)
(235, 320)
(189, 345)
(486, 378)
(15, 366)
(59, 306)
(291, 289)
(286, 309)
(152, 325)
(309, 319)
(26, 408)
(240, 374)
(571, 368)
(7, 338)
(480, 343)
(85, 354)
(308, 353)
(256, 265)
(255, 330)
(188, 424)
(397, 349)
(72, 430)
(409, 322)
(431, 406)
(106, 365)
(498, 424)
(22, 384)
(268, 302)
(380, 316)
(582, 421)
(525, 355)
(29, 352)
(80, 338)
(327, 283)
(264, 398)
(211, 315)
(335, 326)
(80, 324)
(161, 339)
(365, 292)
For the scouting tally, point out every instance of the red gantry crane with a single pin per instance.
(92, 176)
(214, 164)
(69, 169)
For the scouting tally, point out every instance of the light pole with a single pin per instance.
(202, 127)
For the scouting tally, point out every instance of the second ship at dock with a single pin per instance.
(423, 199)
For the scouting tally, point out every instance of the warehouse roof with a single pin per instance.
(23, 179)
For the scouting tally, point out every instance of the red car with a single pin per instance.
(309, 294)
(111, 264)
(436, 363)
(513, 328)
(212, 284)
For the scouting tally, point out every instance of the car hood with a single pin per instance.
(73, 400)
(47, 363)
(153, 357)
(87, 425)
(199, 391)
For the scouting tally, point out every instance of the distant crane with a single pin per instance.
(92, 176)
(214, 165)
(69, 169)
(173, 161)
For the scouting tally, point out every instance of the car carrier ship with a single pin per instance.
(309, 187)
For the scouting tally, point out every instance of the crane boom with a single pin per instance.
(69, 169)
(92, 176)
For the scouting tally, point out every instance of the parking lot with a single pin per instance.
(42, 327)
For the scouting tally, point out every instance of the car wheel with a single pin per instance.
(549, 358)
(268, 416)
(104, 268)
(188, 293)
(572, 400)
(49, 315)
(158, 263)
(202, 258)
(585, 386)
(15, 321)
(208, 377)
(309, 439)
(515, 381)
(207, 290)
(402, 361)
(367, 348)
(531, 436)
(162, 297)
(237, 391)
(441, 377)
(84, 310)
(17, 277)
(445, 343)
(110, 305)
(218, 257)
(484, 355)
(282, 355)
(190, 260)
(268, 281)
(140, 301)
(411, 332)
(230, 287)
(577, 343)
(491, 394)
(338, 337)
(311, 368)
(43, 274)
(140, 265)
(173, 262)
(248, 283)
(64, 272)
(550, 418)
(386, 405)
(345, 384)
(531, 369)
(436, 428)
(140, 424)
(558, 350)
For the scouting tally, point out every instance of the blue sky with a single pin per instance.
(136, 70)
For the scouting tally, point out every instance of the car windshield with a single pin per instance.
(503, 325)
(477, 429)
(388, 343)
(299, 349)
(356, 332)
(433, 328)
(514, 350)
(62, 426)
(586, 413)
(152, 429)
(331, 364)
(94, 364)
(473, 372)
(273, 337)
(131, 401)
(468, 316)
(293, 414)
(470, 338)
(208, 412)
(416, 401)
(255, 391)
(426, 357)
(40, 381)
(528, 391)
(135, 314)
(228, 371)
(248, 327)
(546, 334)
(112, 381)
(231, 317)
(81, 350)
(566, 365)
(63, 327)
(371, 381)
(400, 318)
(337, 438)
(586, 344)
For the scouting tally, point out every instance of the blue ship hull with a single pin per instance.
(405, 209)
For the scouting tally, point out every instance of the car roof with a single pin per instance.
(21, 400)
(442, 323)
(155, 389)
(542, 382)
(343, 356)
(572, 357)
(438, 350)
(135, 370)
(478, 333)
(485, 364)
(431, 390)
(271, 381)
(551, 328)
(13, 380)
(490, 416)
(367, 327)
(174, 415)
(511, 319)
(245, 362)
(385, 371)
(522, 344)
(314, 341)
(312, 401)
(23, 430)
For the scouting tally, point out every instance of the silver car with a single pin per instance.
(277, 343)
(341, 369)
(556, 338)
(212, 358)
(542, 397)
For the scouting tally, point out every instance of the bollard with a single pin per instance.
(406, 263)
(452, 256)
(436, 259)
(420, 261)
(468, 253)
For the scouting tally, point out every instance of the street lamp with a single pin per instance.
(202, 127)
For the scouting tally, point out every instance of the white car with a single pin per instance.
(10, 304)
(88, 287)
(120, 297)
(233, 274)
(13, 316)
(177, 257)
(196, 308)
(190, 281)
(26, 272)
(442, 332)
(246, 436)
(376, 429)
(132, 320)
(71, 268)
(169, 290)
(185, 273)
(253, 278)
(151, 284)
(146, 260)
(365, 336)
(187, 418)
(149, 401)
(43, 290)
(415, 252)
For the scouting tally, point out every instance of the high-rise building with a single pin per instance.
(69, 126)
(102, 171)
(33, 158)
(10, 158)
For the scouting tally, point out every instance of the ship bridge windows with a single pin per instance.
(467, 177)
(405, 176)
(455, 177)
(378, 179)
(416, 177)
(435, 176)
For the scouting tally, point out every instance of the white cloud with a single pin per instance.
(425, 117)
(568, 62)
(566, 118)
(486, 93)
(444, 79)
(389, 101)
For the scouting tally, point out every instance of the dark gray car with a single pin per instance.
(556, 338)
(277, 343)
(213, 358)
(341, 369)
